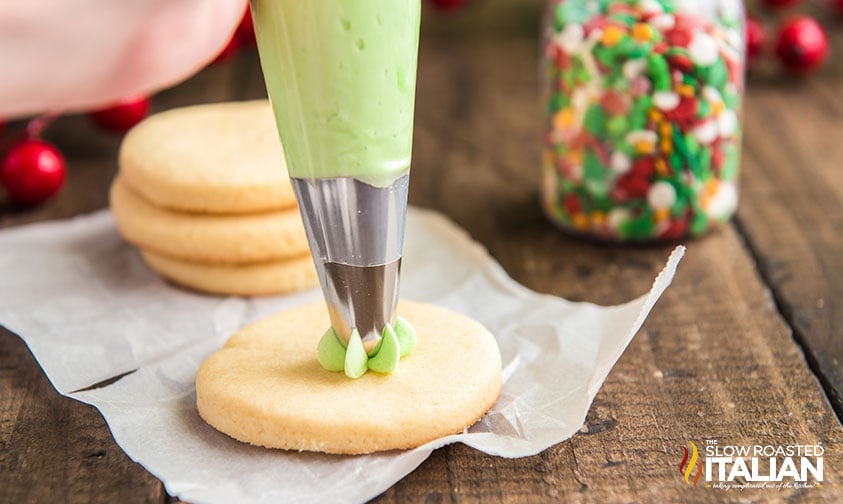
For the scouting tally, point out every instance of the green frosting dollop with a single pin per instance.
(397, 341)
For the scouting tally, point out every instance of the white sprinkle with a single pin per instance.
(706, 132)
(703, 49)
(571, 38)
(728, 122)
(663, 22)
(580, 98)
(661, 195)
(734, 38)
(616, 217)
(731, 89)
(724, 202)
(730, 10)
(576, 172)
(633, 137)
(595, 35)
(620, 162)
(634, 68)
(705, 9)
(650, 6)
(665, 100)
(711, 94)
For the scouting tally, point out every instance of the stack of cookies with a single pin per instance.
(204, 192)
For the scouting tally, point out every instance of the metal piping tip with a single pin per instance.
(356, 236)
(361, 297)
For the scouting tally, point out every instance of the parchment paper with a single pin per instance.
(90, 310)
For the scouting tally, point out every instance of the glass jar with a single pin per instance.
(643, 126)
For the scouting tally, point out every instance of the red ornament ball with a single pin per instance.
(246, 28)
(230, 48)
(802, 44)
(755, 38)
(448, 4)
(32, 171)
(781, 4)
(123, 115)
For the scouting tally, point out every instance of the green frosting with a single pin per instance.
(406, 336)
(385, 360)
(355, 357)
(397, 341)
(331, 352)
(341, 76)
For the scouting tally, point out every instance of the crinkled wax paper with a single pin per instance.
(90, 310)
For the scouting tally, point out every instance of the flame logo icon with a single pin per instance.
(691, 461)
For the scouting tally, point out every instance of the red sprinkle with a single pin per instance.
(563, 61)
(685, 113)
(635, 187)
(595, 23)
(643, 168)
(675, 230)
(680, 62)
(679, 35)
(572, 204)
(614, 103)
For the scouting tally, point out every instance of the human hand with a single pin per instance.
(70, 55)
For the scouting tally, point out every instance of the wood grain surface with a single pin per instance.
(721, 357)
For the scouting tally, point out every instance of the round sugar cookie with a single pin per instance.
(265, 387)
(255, 279)
(215, 158)
(265, 236)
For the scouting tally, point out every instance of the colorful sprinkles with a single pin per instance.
(643, 134)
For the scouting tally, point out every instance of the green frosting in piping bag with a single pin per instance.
(397, 341)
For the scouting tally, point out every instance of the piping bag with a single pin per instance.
(341, 77)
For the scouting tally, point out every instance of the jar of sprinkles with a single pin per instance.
(643, 105)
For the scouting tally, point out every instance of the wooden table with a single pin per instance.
(745, 347)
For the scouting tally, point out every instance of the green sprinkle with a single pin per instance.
(640, 227)
(730, 164)
(699, 224)
(556, 103)
(732, 100)
(592, 167)
(639, 112)
(568, 13)
(605, 55)
(705, 165)
(595, 121)
(679, 205)
(617, 126)
(602, 203)
(718, 74)
(659, 72)
(683, 151)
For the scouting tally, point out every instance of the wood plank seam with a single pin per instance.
(787, 314)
